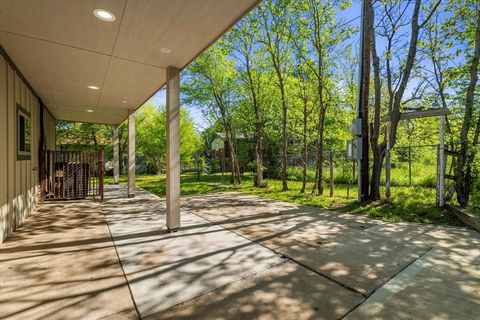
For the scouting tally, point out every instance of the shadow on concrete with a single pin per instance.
(44, 276)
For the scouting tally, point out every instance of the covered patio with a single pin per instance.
(219, 256)
(235, 257)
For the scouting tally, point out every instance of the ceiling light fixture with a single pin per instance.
(104, 15)
(124, 101)
(89, 110)
(165, 50)
(93, 87)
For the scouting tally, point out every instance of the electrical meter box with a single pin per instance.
(356, 127)
(354, 149)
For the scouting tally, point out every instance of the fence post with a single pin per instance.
(387, 161)
(441, 165)
(100, 174)
(330, 158)
(409, 165)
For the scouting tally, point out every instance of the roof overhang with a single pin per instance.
(61, 49)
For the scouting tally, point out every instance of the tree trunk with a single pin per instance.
(462, 184)
(379, 154)
(305, 153)
(319, 174)
(258, 182)
(235, 168)
(284, 138)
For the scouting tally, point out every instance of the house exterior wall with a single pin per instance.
(19, 181)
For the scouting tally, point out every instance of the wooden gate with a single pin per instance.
(67, 175)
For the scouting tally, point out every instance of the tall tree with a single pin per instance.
(315, 33)
(251, 67)
(469, 13)
(274, 36)
(393, 20)
(211, 86)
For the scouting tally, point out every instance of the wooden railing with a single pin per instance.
(66, 175)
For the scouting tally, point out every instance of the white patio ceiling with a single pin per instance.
(62, 48)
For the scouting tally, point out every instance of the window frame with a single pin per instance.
(22, 112)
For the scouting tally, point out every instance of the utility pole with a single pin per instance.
(362, 101)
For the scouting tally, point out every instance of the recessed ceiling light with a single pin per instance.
(93, 87)
(164, 50)
(89, 110)
(124, 101)
(104, 15)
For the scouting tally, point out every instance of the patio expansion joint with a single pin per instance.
(120, 262)
(218, 288)
(427, 250)
(285, 256)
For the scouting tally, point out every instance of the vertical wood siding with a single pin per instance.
(19, 183)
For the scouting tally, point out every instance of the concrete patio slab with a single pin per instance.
(287, 291)
(164, 269)
(334, 245)
(61, 264)
(235, 257)
(436, 286)
(405, 231)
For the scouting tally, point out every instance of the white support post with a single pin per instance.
(116, 160)
(131, 153)
(441, 165)
(173, 149)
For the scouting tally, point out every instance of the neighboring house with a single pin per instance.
(221, 153)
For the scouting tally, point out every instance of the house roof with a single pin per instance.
(61, 49)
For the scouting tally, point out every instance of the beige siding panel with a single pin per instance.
(25, 173)
(34, 152)
(18, 164)
(3, 152)
(30, 162)
(19, 183)
(37, 146)
(11, 150)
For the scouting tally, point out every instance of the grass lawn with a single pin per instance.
(411, 204)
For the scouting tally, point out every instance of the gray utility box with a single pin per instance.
(354, 149)
(354, 146)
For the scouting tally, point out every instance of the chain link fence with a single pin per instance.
(413, 171)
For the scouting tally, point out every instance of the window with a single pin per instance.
(24, 137)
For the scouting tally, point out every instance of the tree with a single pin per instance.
(315, 35)
(468, 13)
(211, 86)
(250, 70)
(274, 37)
(394, 18)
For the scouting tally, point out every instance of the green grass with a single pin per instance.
(411, 204)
